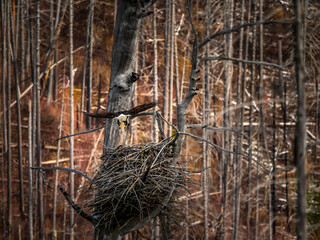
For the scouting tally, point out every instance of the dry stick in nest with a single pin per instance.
(123, 190)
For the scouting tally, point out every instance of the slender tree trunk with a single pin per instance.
(165, 105)
(28, 38)
(51, 29)
(38, 117)
(252, 83)
(205, 120)
(300, 144)
(176, 64)
(54, 204)
(155, 73)
(22, 44)
(16, 24)
(9, 178)
(64, 222)
(246, 54)
(286, 155)
(18, 113)
(56, 51)
(4, 120)
(171, 44)
(83, 85)
(4, 69)
(71, 78)
(89, 79)
(30, 180)
(56, 74)
(273, 181)
(30, 62)
(228, 70)
(3, 203)
(239, 139)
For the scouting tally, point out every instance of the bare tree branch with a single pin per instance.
(215, 128)
(244, 61)
(76, 207)
(64, 169)
(76, 134)
(235, 29)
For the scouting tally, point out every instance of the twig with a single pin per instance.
(76, 207)
(210, 143)
(76, 134)
(64, 169)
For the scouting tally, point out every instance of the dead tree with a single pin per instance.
(122, 76)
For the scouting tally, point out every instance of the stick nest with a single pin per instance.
(134, 180)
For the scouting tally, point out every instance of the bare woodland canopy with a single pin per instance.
(227, 150)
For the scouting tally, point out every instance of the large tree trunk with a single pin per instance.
(125, 42)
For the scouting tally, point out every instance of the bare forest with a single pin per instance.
(158, 119)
